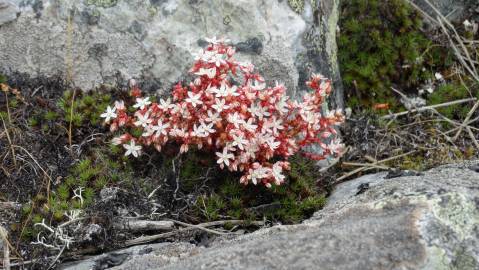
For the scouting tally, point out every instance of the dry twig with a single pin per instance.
(425, 108)
(370, 166)
(151, 238)
(468, 117)
(6, 248)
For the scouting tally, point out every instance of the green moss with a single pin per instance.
(87, 108)
(13, 103)
(381, 45)
(290, 203)
(449, 92)
(90, 174)
(33, 121)
(50, 116)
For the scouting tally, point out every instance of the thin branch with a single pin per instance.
(425, 108)
(151, 238)
(6, 248)
(198, 227)
(464, 124)
(34, 160)
(473, 138)
(370, 166)
(9, 140)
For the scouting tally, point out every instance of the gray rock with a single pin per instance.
(429, 221)
(97, 42)
(138, 257)
(414, 222)
(8, 11)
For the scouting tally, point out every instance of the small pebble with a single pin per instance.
(362, 188)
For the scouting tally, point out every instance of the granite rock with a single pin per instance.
(94, 42)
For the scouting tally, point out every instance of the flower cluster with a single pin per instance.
(250, 127)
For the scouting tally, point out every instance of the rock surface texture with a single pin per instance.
(428, 221)
(95, 42)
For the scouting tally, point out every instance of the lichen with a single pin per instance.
(296, 5)
(102, 3)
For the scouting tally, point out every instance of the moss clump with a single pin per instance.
(86, 106)
(292, 202)
(87, 177)
(449, 92)
(381, 45)
(55, 120)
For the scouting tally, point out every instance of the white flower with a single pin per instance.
(143, 120)
(194, 99)
(336, 146)
(211, 73)
(215, 41)
(259, 111)
(235, 119)
(199, 55)
(208, 129)
(117, 141)
(198, 131)
(272, 143)
(221, 92)
(109, 114)
(217, 59)
(239, 141)
(212, 40)
(160, 128)
(257, 174)
(277, 174)
(224, 157)
(219, 106)
(213, 117)
(132, 149)
(310, 117)
(429, 89)
(148, 131)
(120, 105)
(467, 24)
(275, 124)
(178, 132)
(228, 91)
(142, 103)
(281, 105)
(231, 91)
(248, 125)
(165, 105)
(438, 76)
